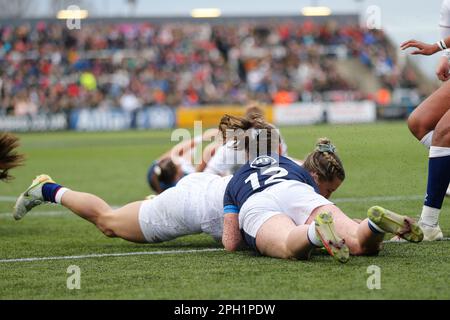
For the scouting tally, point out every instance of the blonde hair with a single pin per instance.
(325, 162)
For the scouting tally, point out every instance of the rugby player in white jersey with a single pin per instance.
(430, 124)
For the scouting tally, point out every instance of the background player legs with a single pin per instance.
(426, 116)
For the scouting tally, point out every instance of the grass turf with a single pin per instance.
(381, 160)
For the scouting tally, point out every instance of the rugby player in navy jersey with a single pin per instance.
(281, 209)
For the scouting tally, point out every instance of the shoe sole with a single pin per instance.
(394, 223)
(20, 211)
(325, 221)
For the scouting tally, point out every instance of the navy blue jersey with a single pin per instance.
(261, 173)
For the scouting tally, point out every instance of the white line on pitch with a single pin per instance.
(125, 254)
(103, 255)
(404, 241)
(7, 199)
(379, 198)
(56, 213)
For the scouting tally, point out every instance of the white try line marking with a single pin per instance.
(379, 198)
(7, 199)
(103, 255)
(126, 254)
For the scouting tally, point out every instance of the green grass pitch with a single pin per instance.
(385, 166)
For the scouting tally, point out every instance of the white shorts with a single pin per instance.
(161, 218)
(293, 198)
(194, 205)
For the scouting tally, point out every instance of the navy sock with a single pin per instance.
(49, 191)
(438, 180)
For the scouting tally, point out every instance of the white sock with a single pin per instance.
(312, 235)
(59, 194)
(373, 225)
(426, 140)
(430, 216)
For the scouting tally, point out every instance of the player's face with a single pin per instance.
(180, 173)
(327, 188)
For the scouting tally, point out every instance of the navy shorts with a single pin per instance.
(251, 241)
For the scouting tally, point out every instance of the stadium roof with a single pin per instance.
(347, 18)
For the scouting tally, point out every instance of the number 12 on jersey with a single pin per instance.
(274, 176)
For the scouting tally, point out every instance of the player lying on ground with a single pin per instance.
(176, 163)
(430, 123)
(282, 209)
(196, 205)
(9, 158)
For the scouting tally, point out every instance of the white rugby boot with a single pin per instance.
(32, 197)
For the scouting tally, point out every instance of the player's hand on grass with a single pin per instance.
(443, 68)
(422, 48)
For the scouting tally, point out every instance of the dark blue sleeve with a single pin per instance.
(229, 204)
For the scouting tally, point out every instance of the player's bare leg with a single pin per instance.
(360, 239)
(279, 237)
(123, 222)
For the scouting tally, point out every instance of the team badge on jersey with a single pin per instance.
(262, 162)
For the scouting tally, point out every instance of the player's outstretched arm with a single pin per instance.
(231, 238)
(426, 49)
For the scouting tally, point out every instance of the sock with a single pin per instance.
(430, 216)
(438, 176)
(53, 192)
(374, 228)
(426, 140)
(59, 194)
(312, 236)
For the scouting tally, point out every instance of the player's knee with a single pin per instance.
(106, 226)
(416, 126)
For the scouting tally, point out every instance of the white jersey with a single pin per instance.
(186, 166)
(444, 21)
(194, 205)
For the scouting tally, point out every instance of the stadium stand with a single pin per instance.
(48, 68)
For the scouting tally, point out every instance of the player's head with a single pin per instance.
(253, 111)
(254, 135)
(9, 158)
(326, 167)
(163, 174)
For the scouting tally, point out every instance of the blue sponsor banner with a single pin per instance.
(39, 122)
(99, 120)
(157, 117)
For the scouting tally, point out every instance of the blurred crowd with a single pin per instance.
(49, 68)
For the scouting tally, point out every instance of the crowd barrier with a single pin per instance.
(164, 117)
